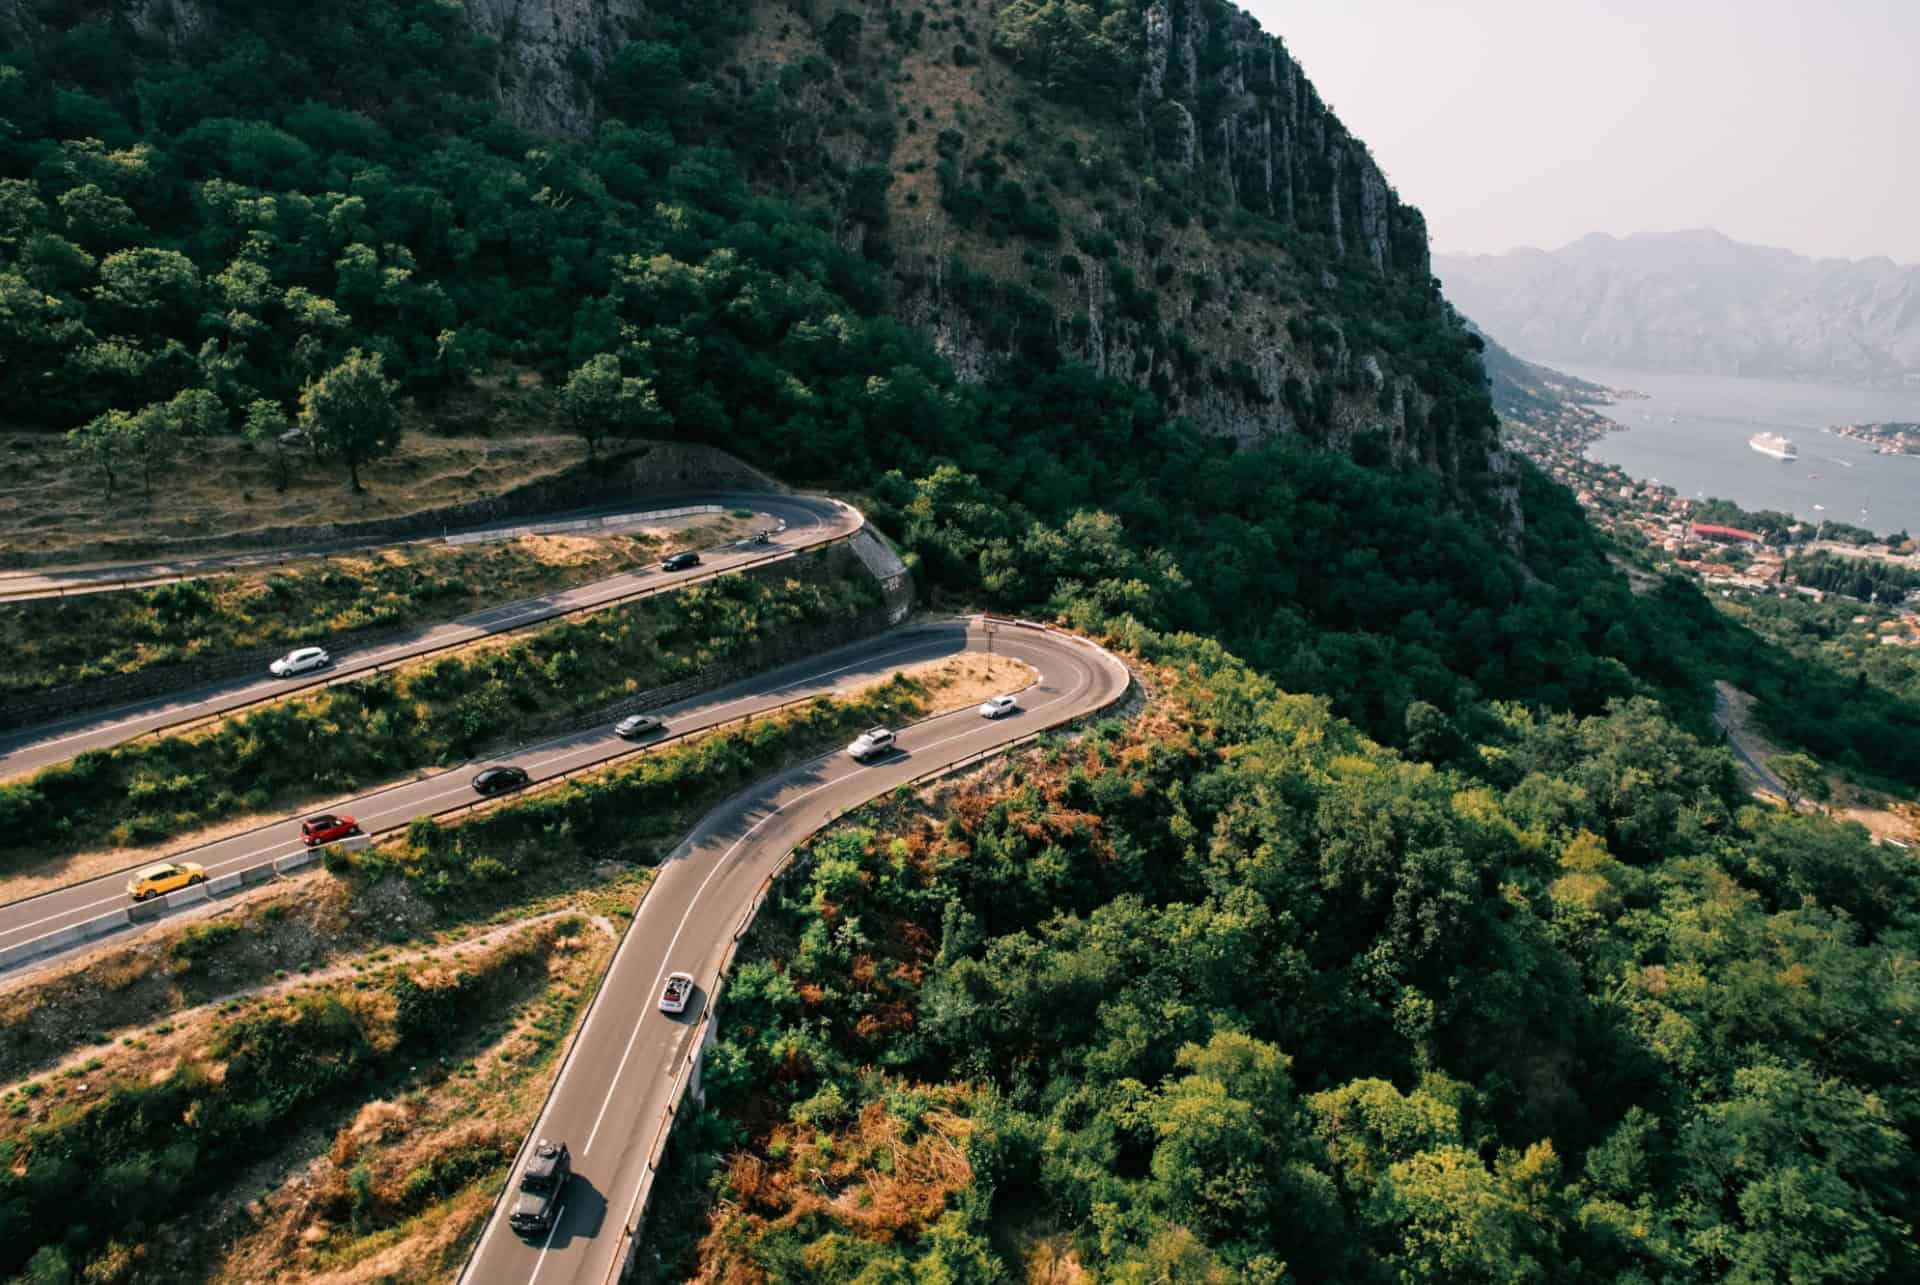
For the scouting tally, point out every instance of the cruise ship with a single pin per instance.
(1773, 444)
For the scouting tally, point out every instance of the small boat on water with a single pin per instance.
(1773, 444)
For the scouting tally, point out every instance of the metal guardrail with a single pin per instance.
(268, 561)
(689, 1062)
(59, 939)
(388, 666)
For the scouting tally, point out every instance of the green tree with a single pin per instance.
(1798, 1178)
(153, 441)
(266, 424)
(600, 402)
(145, 285)
(104, 442)
(350, 414)
(1455, 1220)
(1219, 1128)
(1803, 777)
(48, 1266)
(196, 412)
(97, 219)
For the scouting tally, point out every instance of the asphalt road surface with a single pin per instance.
(840, 670)
(25, 584)
(615, 1084)
(809, 522)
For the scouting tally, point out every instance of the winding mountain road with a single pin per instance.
(617, 1082)
(809, 522)
(622, 1072)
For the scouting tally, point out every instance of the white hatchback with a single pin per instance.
(998, 707)
(299, 661)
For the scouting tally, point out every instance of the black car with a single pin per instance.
(498, 780)
(638, 725)
(681, 561)
(542, 1184)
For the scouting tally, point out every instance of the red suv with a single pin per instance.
(325, 828)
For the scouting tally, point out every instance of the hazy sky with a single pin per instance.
(1534, 122)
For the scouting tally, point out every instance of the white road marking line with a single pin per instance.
(667, 958)
(559, 1211)
(693, 904)
(590, 596)
(414, 806)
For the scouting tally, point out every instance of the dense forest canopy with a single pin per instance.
(1232, 994)
(1533, 994)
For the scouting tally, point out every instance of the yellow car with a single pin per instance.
(171, 877)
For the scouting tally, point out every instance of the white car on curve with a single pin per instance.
(676, 993)
(998, 707)
(871, 743)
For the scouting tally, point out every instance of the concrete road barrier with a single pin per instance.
(282, 865)
(224, 883)
(186, 896)
(101, 925)
(613, 523)
(71, 935)
(253, 876)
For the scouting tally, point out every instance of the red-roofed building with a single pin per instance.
(1726, 534)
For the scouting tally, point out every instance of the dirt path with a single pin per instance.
(1733, 713)
(1640, 582)
(77, 1060)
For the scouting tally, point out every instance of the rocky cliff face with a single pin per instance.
(1268, 140)
(1198, 221)
(550, 49)
(1159, 193)
(1700, 302)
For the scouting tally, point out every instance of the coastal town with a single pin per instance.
(1730, 552)
(1886, 439)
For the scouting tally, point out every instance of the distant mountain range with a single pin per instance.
(1696, 302)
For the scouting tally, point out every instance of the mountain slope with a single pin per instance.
(1697, 301)
(1526, 390)
(1152, 190)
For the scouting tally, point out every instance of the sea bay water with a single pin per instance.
(1690, 432)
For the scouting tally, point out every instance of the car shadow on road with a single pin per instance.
(586, 1212)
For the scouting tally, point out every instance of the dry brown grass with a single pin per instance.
(301, 1230)
(285, 937)
(874, 1175)
(429, 1158)
(49, 505)
(960, 681)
